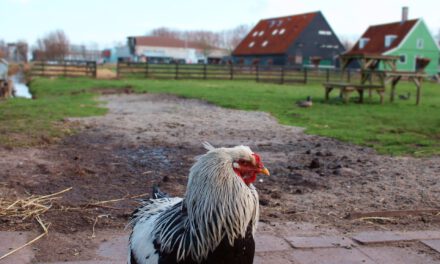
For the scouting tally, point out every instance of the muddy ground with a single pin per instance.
(152, 139)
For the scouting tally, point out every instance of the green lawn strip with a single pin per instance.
(398, 128)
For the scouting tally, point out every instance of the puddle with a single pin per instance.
(21, 89)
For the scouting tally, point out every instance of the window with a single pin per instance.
(261, 33)
(251, 44)
(264, 44)
(282, 31)
(363, 42)
(402, 59)
(389, 40)
(420, 43)
(275, 31)
(325, 32)
(254, 34)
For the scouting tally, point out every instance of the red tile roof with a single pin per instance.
(166, 42)
(376, 35)
(273, 35)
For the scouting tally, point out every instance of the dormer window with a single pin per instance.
(389, 40)
(251, 44)
(264, 44)
(325, 32)
(363, 42)
(261, 33)
(255, 34)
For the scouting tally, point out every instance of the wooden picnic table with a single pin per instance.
(347, 88)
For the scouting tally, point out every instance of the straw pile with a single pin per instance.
(29, 207)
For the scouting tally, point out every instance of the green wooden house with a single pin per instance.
(410, 40)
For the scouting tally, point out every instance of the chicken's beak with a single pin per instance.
(265, 171)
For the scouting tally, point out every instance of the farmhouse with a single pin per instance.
(304, 40)
(167, 50)
(408, 39)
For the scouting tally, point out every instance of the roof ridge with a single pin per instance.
(296, 15)
(397, 22)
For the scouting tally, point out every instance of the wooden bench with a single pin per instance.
(347, 88)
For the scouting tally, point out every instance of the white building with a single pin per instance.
(169, 50)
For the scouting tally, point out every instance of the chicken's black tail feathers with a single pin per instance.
(157, 193)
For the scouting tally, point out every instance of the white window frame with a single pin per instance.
(389, 39)
(324, 32)
(420, 43)
(405, 60)
(363, 42)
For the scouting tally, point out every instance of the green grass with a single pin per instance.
(399, 128)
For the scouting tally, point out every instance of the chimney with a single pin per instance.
(404, 14)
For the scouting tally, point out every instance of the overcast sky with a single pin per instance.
(106, 22)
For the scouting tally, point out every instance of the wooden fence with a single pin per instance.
(273, 74)
(66, 68)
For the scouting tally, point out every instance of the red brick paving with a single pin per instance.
(394, 236)
(266, 243)
(330, 256)
(320, 242)
(395, 255)
(12, 240)
(289, 243)
(434, 244)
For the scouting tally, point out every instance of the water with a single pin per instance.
(21, 89)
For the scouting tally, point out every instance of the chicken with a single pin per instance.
(213, 223)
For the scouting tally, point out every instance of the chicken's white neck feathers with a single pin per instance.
(218, 204)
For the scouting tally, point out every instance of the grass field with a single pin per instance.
(399, 128)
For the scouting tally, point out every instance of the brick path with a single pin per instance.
(286, 243)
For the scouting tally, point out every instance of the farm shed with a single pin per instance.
(167, 50)
(303, 40)
(410, 40)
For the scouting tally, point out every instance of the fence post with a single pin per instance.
(257, 73)
(146, 69)
(305, 74)
(95, 69)
(282, 75)
(231, 77)
(177, 71)
(117, 69)
(204, 71)
(327, 77)
(348, 75)
(64, 69)
(42, 63)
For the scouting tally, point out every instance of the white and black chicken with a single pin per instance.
(213, 223)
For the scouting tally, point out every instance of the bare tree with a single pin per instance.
(227, 39)
(347, 43)
(22, 51)
(231, 38)
(166, 32)
(3, 49)
(54, 46)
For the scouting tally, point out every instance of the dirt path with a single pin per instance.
(147, 139)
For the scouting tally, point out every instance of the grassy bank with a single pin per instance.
(400, 128)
